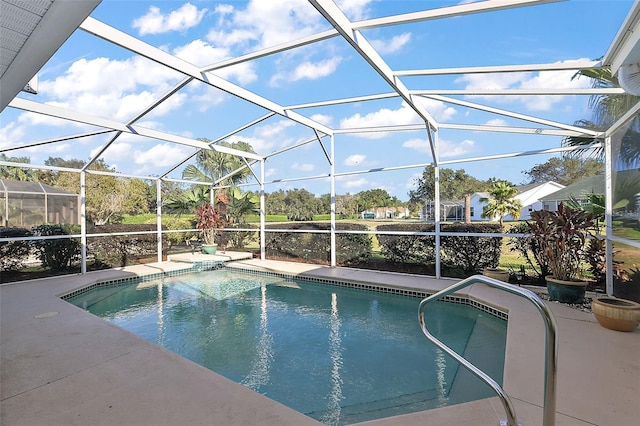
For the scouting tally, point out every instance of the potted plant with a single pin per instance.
(208, 221)
(561, 237)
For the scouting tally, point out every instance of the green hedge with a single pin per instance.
(471, 254)
(460, 255)
(418, 249)
(315, 247)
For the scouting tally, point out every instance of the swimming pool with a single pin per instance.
(340, 355)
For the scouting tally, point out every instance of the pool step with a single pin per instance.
(387, 407)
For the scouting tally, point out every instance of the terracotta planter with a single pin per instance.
(566, 291)
(497, 274)
(616, 314)
(209, 248)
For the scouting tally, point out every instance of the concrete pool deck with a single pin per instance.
(62, 366)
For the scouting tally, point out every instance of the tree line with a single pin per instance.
(111, 197)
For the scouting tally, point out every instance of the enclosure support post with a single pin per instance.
(333, 205)
(262, 212)
(159, 216)
(608, 211)
(83, 223)
(436, 194)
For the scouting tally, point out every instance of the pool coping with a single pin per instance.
(47, 360)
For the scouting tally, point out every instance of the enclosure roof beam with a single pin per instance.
(147, 110)
(513, 114)
(556, 66)
(54, 111)
(272, 50)
(106, 32)
(334, 15)
(472, 127)
(447, 12)
(520, 92)
(55, 140)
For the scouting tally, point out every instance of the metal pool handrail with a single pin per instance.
(551, 346)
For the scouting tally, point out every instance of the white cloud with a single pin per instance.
(496, 122)
(155, 22)
(308, 71)
(355, 159)
(11, 134)
(355, 183)
(526, 80)
(322, 119)
(161, 155)
(390, 46)
(201, 53)
(305, 167)
(115, 89)
(402, 116)
(354, 9)
(270, 172)
(447, 149)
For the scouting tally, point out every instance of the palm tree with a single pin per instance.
(213, 165)
(606, 110)
(502, 202)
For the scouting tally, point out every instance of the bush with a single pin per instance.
(418, 249)
(468, 253)
(13, 253)
(178, 222)
(122, 250)
(237, 239)
(461, 255)
(58, 254)
(315, 247)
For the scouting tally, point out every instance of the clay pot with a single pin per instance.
(497, 274)
(566, 291)
(616, 314)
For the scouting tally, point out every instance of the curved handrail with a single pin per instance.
(551, 345)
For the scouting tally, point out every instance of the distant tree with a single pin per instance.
(346, 204)
(565, 170)
(454, 184)
(300, 204)
(501, 202)
(275, 202)
(139, 196)
(372, 198)
(16, 173)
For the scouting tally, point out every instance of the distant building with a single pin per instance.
(627, 181)
(529, 195)
(385, 213)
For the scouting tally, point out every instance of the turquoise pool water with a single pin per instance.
(337, 354)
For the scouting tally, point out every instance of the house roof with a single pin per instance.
(593, 184)
(19, 187)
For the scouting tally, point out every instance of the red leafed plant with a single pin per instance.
(209, 220)
(561, 238)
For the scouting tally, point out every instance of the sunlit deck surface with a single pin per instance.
(61, 365)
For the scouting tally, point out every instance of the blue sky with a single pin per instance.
(95, 77)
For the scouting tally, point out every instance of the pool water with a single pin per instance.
(337, 354)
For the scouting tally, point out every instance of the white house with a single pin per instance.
(385, 213)
(529, 195)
